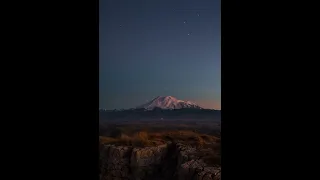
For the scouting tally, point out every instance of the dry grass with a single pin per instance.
(144, 138)
(208, 146)
(106, 140)
(142, 135)
(139, 139)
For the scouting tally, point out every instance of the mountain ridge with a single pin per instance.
(168, 102)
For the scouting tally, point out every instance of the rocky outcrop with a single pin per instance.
(169, 161)
(114, 162)
(191, 167)
(146, 162)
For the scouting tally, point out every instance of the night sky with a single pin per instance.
(152, 48)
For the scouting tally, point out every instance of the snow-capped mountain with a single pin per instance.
(168, 102)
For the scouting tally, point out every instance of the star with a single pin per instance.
(188, 34)
(184, 22)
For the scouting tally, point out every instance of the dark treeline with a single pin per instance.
(159, 113)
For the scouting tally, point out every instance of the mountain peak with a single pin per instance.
(168, 102)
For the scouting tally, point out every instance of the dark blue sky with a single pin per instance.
(145, 51)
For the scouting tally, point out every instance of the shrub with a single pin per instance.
(142, 135)
(140, 139)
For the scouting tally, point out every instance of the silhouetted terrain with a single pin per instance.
(157, 113)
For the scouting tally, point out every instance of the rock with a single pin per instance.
(168, 161)
(145, 161)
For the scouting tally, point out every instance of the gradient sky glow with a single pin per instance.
(145, 51)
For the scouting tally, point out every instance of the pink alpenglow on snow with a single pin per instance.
(169, 102)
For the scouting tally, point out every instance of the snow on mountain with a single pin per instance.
(169, 102)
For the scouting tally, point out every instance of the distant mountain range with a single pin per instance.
(168, 102)
(165, 103)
